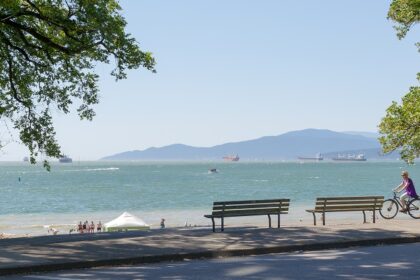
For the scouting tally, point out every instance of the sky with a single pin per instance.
(235, 70)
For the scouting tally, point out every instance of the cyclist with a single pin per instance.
(407, 186)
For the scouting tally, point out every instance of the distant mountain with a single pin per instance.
(286, 146)
(363, 133)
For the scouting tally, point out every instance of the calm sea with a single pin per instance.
(32, 198)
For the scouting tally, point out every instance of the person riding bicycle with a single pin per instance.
(407, 186)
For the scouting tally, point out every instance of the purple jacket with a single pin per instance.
(411, 191)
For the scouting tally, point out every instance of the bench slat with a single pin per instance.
(350, 197)
(244, 215)
(340, 210)
(248, 213)
(249, 206)
(250, 201)
(253, 209)
(362, 202)
(347, 207)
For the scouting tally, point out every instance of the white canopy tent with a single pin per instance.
(126, 222)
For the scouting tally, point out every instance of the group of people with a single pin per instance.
(89, 228)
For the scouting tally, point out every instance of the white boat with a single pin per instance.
(350, 157)
(231, 158)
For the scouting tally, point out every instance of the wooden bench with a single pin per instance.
(347, 204)
(224, 209)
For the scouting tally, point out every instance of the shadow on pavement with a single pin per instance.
(65, 252)
(381, 262)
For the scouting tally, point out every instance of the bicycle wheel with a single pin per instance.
(389, 209)
(414, 208)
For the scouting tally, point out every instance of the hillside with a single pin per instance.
(286, 146)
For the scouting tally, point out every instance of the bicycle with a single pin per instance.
(391, 206)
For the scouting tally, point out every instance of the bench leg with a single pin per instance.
(214, 227)
(323, 218)
(223, 224)
(364, 217)
(269, 221)
(374, 216)
(278, 221)
(313, 213)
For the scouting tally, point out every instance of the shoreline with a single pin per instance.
(29, 225)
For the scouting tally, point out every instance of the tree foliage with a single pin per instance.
(405, 13)
(400, 128)
(48, 52)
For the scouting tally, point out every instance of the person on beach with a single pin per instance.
(92, 227)
(80, 227)
(407, 186)
(99, 227)
(52, 230)
(85, 226)
(162, 223)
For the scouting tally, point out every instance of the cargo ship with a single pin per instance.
(65, 159)
(318, 157)
(350, 157)
(231, 158)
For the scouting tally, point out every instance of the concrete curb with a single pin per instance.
(208, 254)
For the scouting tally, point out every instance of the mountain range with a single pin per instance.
(287, 146)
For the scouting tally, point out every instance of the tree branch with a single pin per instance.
(40, 37)
(12, 84)
(20, 50)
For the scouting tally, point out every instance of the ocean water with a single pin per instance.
(32, 199)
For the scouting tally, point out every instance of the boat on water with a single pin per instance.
(213, 170)
(350, 157)
(231, 158)
(317, 157)
(65, 159)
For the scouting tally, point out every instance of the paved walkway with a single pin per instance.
(367, 263)
(48, 253)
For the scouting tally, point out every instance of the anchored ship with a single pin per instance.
(317, 157)
(350, 157)
(231, 158)
(65, 159)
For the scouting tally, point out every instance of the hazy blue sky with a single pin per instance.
(234, 70)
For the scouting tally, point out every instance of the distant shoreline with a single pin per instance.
(75, 162)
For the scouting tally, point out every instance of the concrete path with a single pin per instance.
(25, 255)
(379, 262)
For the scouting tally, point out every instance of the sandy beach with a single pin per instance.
(16, 226)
